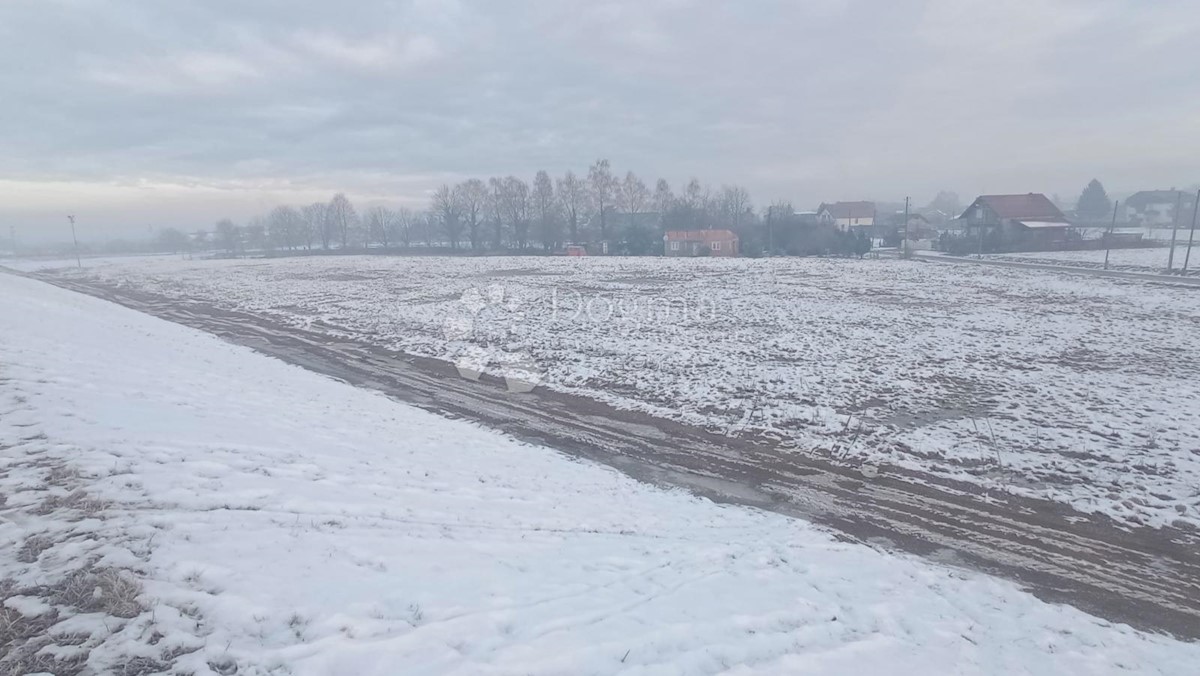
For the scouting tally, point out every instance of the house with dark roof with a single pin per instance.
(917, 226)
(1015, 222)
(1157, 207)
(848, 215)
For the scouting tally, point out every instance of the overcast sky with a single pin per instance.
(143, 113)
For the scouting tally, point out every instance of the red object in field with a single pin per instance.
(576, 250)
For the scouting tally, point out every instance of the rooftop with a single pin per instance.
(1032, 206)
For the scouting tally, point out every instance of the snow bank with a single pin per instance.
(281, 522)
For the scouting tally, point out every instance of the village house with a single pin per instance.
(700, 243)
(1152, 208)
(918, 226)
(848, 215)
(1015, 222)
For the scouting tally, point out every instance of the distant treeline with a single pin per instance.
(511, 216)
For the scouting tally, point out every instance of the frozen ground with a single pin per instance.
(174, 502)
(1080, 390)
(1150, 260)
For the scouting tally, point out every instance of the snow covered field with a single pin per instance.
(1151, 260)
(1080, 390)
(170, 499)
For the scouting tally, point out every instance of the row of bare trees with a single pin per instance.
(335, 224)
(500, 213)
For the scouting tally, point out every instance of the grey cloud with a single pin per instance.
(837, 99)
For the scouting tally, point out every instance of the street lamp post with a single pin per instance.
(75, 241)
(1174, 230)
(1192, 234)
(1108, 237)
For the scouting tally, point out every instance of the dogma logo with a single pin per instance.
(478, 334)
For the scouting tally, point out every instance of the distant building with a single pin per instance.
(918, 226)
(935, 216)
(700, 243)
(1157, 207)
(848, 215)
(1027, 221)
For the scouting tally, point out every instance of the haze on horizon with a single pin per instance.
(137, 114)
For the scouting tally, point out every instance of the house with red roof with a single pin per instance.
(700, 243)
(1030, 219)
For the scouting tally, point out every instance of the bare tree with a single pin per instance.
(664, 201)
(445, 206)
(425, 226)
(284, 227)
(735, 204)
(515, 198)
(254, 234)
(171, 239)
(546, 207)
(603, 185)
(316, 219)
(228, 236)
(316, 224)
(473, 200)
(496, 207)
(405, 222)
(573, 195)
(380, 225)
(635, 196)
(693, 201)
(631, 197)
(776, 215)
(342, 217)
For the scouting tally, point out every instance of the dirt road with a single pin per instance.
(1145, 577)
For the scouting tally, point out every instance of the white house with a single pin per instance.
(847, 215)
(1157, 207)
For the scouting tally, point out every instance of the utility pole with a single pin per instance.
(1191, 235)
(771, 230)
(75, 240)
(1108, 235)
(905, 243)
(1174, 229)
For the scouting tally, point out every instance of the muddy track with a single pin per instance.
(1149, 578)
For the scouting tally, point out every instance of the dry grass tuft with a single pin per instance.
(21, 639)
(77, 500)
(104, 590)
(33, 547)
(63, 475)
(141, 666)
(27, 660)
